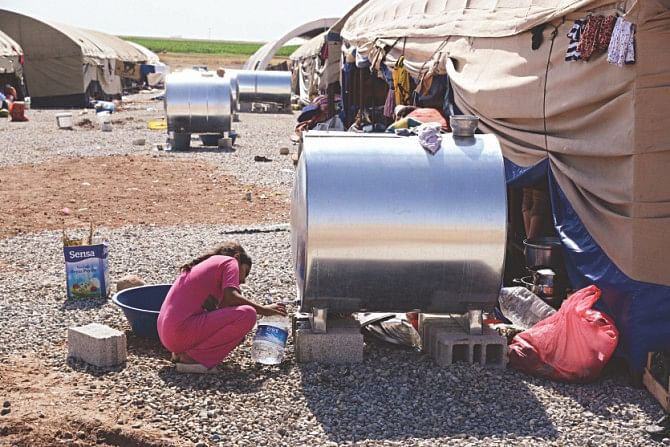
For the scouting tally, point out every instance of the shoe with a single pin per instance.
(194, 368)
(660, 428)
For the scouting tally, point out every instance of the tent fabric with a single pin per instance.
(307, 68)
(10, 56)
(603, 128)
(309, 49)
(122, 50)
(482, 18)
(8, 47)
(150, 57)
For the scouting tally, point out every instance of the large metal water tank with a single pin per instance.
(198, 102)
(263, 86)
(379, 224)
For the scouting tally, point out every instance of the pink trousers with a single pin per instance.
(208, 337)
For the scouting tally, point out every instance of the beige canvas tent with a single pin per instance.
(149, 56)
(600, 131)
(11, 57)
(63, 63)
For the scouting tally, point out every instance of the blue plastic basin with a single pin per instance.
(140, 305)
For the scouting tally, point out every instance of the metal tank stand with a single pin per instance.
(475, 321)
(317, 320)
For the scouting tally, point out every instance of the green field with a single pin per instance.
(164, 45)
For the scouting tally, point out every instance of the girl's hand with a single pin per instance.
(273, 309)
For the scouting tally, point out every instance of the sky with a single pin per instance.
(239, 20)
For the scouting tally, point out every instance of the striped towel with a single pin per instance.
(574, 35)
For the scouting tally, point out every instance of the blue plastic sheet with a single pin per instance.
(641, 310)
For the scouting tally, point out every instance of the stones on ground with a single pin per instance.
(129, 281)
(6, 404)
(5, 411)
(284, 151)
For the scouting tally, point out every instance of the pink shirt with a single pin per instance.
(191, 289)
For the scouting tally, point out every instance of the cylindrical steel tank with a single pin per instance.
(264, 86)
(198, 102)
(235, 90)
(379, 224)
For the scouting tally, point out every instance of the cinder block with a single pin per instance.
(97, 344)
(342, 344)
(429, 322)
(447, 342)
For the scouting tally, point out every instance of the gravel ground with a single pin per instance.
(396, 397)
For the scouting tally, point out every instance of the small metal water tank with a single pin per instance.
(379, 224)
(235, 90)
(198, 102)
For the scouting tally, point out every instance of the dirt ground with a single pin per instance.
(54, 409)
(120, 190)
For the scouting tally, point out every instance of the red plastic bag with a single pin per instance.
(572, 345)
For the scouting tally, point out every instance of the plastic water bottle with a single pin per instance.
(270, 340)
(522, 307)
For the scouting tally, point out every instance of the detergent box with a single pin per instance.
(86, 268)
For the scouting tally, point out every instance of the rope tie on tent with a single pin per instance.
(425, 77)
(554, 33)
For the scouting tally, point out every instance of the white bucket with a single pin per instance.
(105, 120)
(64, 120)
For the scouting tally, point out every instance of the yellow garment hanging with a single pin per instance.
(402, 84)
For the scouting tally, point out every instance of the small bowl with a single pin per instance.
(463, 125)
(141, 306)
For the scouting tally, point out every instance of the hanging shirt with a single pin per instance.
(574, 35)
(596, 36)
(621, 49)
(402, 83)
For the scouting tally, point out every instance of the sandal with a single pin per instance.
(194, 368)
(660, 428)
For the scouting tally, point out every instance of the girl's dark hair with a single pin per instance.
(226, 249)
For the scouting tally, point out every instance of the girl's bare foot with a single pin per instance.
(182, 358)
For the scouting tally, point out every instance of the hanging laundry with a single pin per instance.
(574, 35)
(389, 105)
(537, 36)
(402, 82)
(595, 36)
(621, 49)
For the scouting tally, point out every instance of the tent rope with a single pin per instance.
(554, 33)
